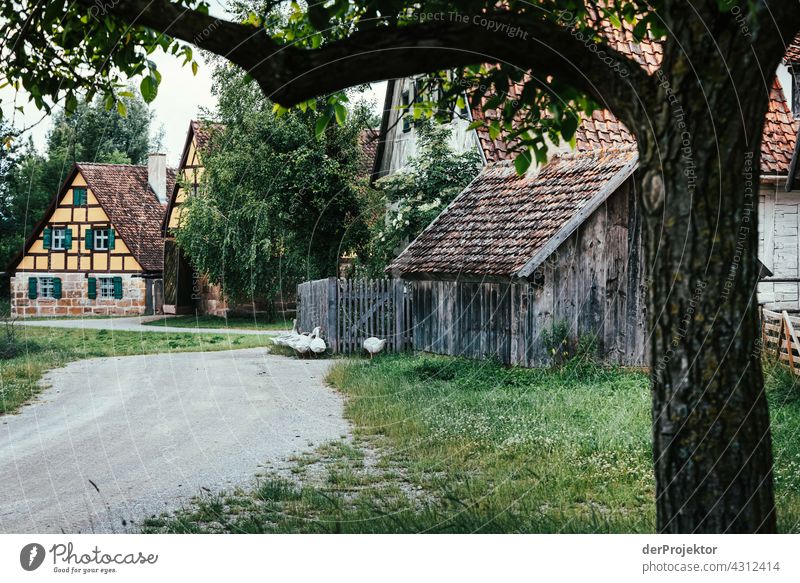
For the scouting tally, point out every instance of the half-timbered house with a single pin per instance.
(98, 248)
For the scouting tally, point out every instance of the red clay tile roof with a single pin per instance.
(132, 207)
(368, 140)
(203, 130)
(793, 51)
(780, 134)
(502, 220)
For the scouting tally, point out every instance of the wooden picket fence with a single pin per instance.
(351, 310)
(780, 339)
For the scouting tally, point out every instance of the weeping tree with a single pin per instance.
(279, 204)
(697, 113)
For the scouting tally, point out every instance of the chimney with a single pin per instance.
(157, 175)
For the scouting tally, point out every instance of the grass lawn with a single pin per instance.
(240, 322)
(41, 349)
(451, 445)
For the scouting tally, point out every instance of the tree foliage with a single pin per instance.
(91, 134)
(277, 205)
(413, 197)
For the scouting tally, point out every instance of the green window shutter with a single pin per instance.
(111, 239)
(84, 197)
(89, 239)
(32, 288)
(92, 288)
(47, 237)
(57, 288)
(79, 196)
(118, 288)
(68, 239)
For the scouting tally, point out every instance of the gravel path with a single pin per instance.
(115, 440)
(134, 324)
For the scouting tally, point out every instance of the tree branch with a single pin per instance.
(289, 75)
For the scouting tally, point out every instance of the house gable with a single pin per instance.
(62, 213)
(190, 171)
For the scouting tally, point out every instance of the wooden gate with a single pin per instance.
(780, 338)
(350, 311)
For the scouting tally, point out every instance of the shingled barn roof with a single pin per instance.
(132, 206)
(203, 130)
(503, 223)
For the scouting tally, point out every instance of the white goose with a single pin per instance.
(317, 345)
(374, 345)
(303, 344)
(285, 338)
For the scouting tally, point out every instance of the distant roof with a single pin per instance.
(604, 130)
(501, 224)
(132, 207)
(368, 140)
(203, 130)
(780, 134)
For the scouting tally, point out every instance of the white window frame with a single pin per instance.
(101, 239)
(58, 239)
(105, 288)
(46, 288)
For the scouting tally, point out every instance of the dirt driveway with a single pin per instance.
(114, 440)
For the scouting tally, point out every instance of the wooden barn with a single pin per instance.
(512, 254)
(97, 250)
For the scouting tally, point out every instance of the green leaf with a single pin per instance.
(476, 124)
(149, 88)
(123, 111)
(341, 113)
(522, 162)
(322, 124)
(195, 67)
(71, 103)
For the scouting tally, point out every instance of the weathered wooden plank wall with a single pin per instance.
(594, 282)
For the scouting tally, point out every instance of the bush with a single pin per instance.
(557, 342)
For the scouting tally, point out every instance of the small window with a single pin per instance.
(106, 287)
(101, 239)
(405, 111)
(46, 287)
(59, 239)
(79, 196)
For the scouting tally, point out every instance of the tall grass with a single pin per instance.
(466, 446)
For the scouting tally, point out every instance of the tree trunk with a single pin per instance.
(711, 433)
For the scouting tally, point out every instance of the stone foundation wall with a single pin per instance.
(75, 299)
(209, 298)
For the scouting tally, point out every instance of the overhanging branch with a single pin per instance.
(289, 75)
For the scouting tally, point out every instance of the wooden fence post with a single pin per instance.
(399, 314)
(332, 331)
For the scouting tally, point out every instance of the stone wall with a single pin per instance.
(75, 299)
(209, 298)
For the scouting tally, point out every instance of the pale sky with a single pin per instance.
(181, 96)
